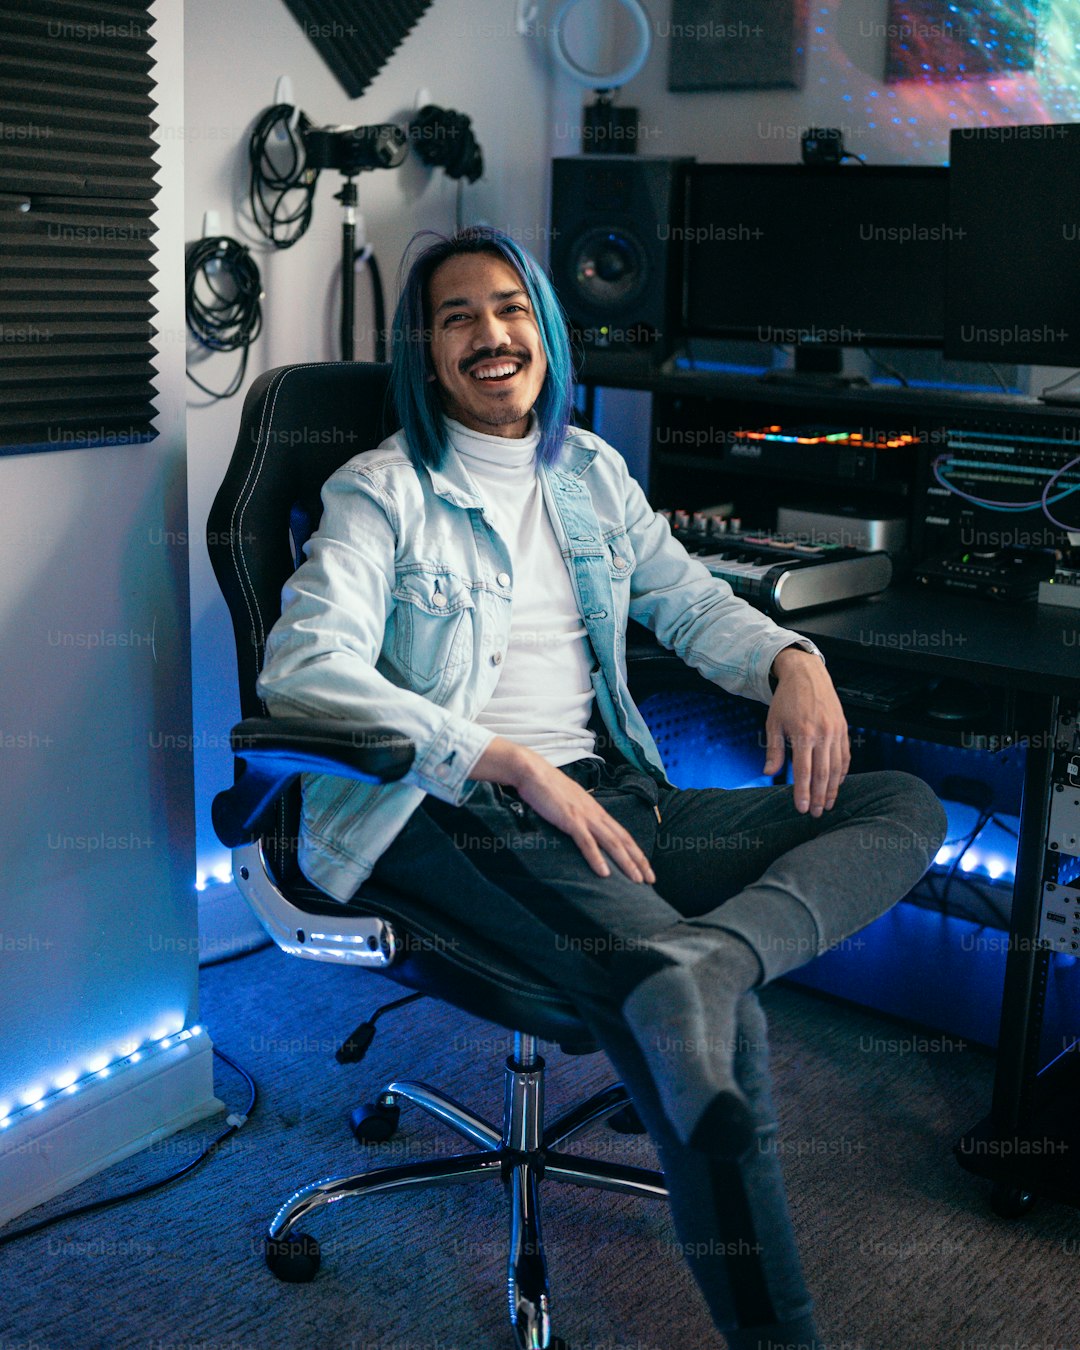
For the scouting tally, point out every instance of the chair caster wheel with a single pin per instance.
(626, 1121)
(294, 1259)
(1010, 1202)
(375, 1122)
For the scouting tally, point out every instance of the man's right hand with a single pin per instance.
(565, 804)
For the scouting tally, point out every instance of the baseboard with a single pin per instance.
(47, 1151)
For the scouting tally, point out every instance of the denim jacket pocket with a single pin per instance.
(621, 560)
(432, 627)
(620, 564)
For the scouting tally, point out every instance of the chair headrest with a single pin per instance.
(298, 425)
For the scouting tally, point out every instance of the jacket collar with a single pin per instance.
(577, 454)
(451, 480)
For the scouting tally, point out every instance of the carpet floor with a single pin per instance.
(900, 1247)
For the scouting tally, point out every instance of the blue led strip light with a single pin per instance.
(35, 1100)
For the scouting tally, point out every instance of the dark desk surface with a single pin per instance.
(1034, 648)
(1025, 647)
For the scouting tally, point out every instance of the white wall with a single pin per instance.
(97, 912)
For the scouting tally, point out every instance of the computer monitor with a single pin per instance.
(1013, 290)
(843, 256)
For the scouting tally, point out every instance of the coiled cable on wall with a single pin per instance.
(278, 171)
(222, 302)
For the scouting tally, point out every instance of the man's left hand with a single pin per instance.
(806, 714)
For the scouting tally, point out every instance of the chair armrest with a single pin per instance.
(273, 751)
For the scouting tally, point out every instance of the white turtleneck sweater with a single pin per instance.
(544, 696)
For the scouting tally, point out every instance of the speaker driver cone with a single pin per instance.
(610, 268)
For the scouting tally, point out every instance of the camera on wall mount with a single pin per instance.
(287, 153)
(351, 150)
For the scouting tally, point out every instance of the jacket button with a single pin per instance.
(619, 562)
(439, 600)
(503, 578)
(496, 658)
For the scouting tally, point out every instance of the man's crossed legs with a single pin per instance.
(746, 889)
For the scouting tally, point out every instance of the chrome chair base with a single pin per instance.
(522, 1154)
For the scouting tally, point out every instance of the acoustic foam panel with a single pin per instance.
(356, 38)
(79, 179)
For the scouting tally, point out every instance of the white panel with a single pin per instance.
(98, 919)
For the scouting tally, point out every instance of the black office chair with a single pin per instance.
(299, 424)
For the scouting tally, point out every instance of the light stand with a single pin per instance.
(348, 199)
(351, 150)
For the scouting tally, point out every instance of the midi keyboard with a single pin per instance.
(784, 575)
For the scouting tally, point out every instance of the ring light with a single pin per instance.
(592, 79)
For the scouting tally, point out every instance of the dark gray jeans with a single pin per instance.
(744, 861)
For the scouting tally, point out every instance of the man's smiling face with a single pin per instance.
(485, 344)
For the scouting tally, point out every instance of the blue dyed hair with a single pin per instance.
(416, 396)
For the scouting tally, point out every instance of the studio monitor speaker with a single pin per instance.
(616, 243)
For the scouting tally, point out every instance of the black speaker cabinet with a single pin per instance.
(616, 248)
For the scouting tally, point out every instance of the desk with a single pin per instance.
(1026, 660)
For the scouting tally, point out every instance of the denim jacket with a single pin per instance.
(400, 618)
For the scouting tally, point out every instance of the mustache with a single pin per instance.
(489, 354)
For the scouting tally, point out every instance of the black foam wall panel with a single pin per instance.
(78, 182)
(356, 38)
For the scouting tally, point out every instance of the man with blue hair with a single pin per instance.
(470, 586)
